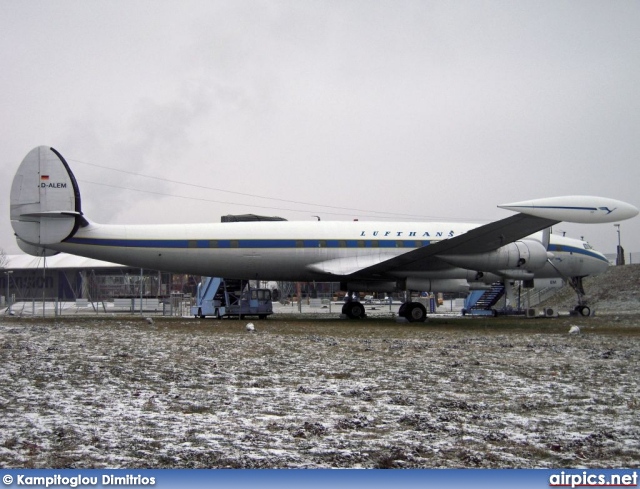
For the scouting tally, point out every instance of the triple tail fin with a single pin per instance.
(45, 202)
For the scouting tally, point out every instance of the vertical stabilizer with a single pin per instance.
(45, 199)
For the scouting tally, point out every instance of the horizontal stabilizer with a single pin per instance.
(576, 208)
(35, 250)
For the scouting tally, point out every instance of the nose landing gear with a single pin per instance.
(581, 308)
(576, 285)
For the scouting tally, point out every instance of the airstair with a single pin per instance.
(481, 302)
(219, 298)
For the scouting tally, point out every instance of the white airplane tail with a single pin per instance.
(45, 202)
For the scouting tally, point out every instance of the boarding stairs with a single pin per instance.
(226, 292)
(481, 302)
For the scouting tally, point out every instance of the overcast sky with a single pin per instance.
(405, 110)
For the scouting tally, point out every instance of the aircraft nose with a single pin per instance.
(600, 265)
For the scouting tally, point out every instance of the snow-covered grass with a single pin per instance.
(502, 392)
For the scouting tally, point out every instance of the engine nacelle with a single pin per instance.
(411, 283)
(527, 254)
(517, 274)
(369, 286)
(479, 286)
(435, 285)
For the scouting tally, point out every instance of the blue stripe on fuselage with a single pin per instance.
(248, 243)
(573, 249)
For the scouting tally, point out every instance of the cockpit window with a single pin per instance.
(587, 246)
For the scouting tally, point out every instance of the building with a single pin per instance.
(66, 277)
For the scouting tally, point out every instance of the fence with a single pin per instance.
(533, 297)
(52, 307)
(41, 307)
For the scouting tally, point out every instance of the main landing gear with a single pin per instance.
(414, 312)
(353, 310)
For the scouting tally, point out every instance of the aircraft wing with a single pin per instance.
(482, 239)
(533, 216)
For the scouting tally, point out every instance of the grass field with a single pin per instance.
(454, 392)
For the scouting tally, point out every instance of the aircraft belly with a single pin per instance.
(270, 265)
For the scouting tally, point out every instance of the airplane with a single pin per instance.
(47, 218)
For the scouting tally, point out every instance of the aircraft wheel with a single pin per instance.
(585, 310)
(416, 312)
(353, 310)
(403, 309)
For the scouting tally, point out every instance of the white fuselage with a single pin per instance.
(290, 250)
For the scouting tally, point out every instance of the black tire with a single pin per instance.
(416, 313)
(353, 310)
(585, 310)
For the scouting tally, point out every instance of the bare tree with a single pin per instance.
(286, 290)
(3, 258)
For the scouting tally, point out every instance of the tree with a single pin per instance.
(3, 258)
